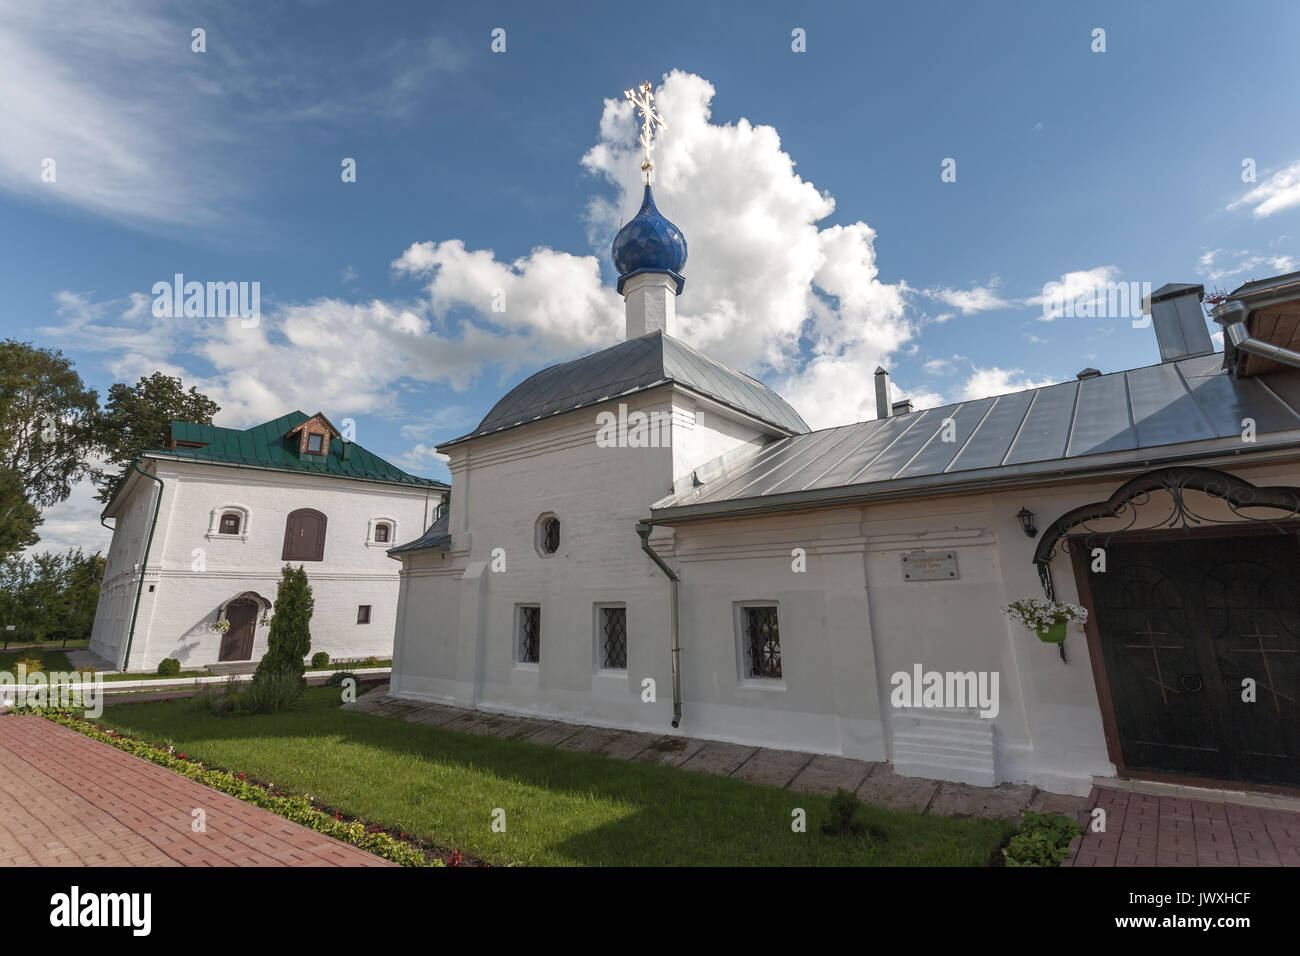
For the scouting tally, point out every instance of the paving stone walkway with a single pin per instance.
(1143, 829)
(67, 800)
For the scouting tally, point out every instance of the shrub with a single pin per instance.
(1042, 840)
(32, 664)
(843, 822)
(289, 640)
(320, 659)
(218, 699)
(338, 677)
(270, 692)
(169, 667)
(370, 662)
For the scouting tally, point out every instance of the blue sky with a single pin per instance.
(479, 171)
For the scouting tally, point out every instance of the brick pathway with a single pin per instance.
(1153, 830)
(67, 800)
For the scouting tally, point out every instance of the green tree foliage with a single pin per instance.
(48, 424)
(289, 640)
(50, 597)
(138, 418)
(19, 518)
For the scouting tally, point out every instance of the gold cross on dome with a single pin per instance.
(643, 98)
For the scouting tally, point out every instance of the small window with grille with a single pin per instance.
(611, 638)
(760, 641)
(530, 634)
(381, 533)
(229, 523)
(548, 534)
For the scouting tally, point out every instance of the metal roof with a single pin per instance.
(436, 538)
(1040, 430)
(634, 366)
(264, 446)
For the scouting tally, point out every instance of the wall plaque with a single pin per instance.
(929, 565)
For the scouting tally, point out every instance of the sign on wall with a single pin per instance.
(929, 565)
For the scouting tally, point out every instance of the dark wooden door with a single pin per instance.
(237, 643)
(1183, 622)
(304, 536)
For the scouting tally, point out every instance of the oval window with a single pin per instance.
(550, 535)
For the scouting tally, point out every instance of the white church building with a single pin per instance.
(203, 527)
(644, 538)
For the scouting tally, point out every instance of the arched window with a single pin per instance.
(230, 522)
(304, 536)
(381, 532)
(548, 534)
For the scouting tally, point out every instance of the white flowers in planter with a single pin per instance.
(1040, 615)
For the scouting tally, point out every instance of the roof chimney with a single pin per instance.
(882, 393)
(1175, 310)
(902, 408)
(1087, 373)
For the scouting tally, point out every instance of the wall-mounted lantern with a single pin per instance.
(1026, 518)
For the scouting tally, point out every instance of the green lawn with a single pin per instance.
(561, 808)
(51, 659)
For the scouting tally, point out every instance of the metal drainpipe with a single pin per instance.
(643, 529)
(1232, 316)
(144, 560)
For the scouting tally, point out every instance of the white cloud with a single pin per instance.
(1242, 262)
(73, 523)
(1278, 192)
(1083, 284)
(969, 301)
(998, 381)
(763, 277)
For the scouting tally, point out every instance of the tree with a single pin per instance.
(289, 640)
(138, 418)
(18, 516)
(48, 422)
(50, 597)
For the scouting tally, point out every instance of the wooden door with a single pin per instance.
(237, 643)
(304, 536)
(1184, 623)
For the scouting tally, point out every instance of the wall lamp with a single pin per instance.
(1026, 518)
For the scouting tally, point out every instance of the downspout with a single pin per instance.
(144, 561)
(1232, 316)
(643, 529)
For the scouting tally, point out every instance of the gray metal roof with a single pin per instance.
(437, 538)
(1039, 430)
(634, 366)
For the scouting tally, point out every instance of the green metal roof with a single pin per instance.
(264, 446)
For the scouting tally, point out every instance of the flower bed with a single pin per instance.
(298, 809)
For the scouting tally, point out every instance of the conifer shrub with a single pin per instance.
(169, 667)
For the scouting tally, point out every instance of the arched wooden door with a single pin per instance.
(304, 536)
(237, 643)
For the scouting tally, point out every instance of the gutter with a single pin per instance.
(1232, 316)
(144, 561)
(643, 529)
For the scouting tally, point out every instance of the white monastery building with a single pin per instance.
(202, 529)
(643, 538)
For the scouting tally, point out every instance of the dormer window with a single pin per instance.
(230, 522)
(315, 443)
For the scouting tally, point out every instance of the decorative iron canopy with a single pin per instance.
(1242, 498)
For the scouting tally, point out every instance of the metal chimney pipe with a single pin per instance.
(883, 407)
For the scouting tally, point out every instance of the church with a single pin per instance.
(644, 538)
(203, 527)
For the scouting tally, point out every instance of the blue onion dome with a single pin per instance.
(649, 243)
